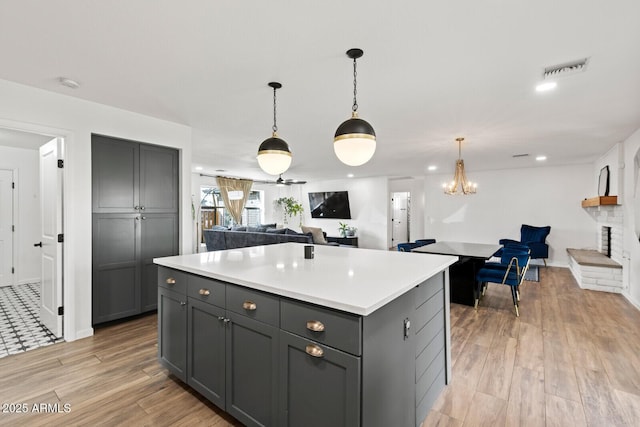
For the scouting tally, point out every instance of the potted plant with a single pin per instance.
(290, 206)
(346, 230)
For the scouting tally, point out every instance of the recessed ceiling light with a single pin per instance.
(65, 81)
(541, 158)
(350, 175)
(221, 170)
(432, 167)
(543, 87)
(198, 168)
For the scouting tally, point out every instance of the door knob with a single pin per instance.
(38, 244)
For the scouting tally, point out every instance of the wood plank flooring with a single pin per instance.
(571, 359)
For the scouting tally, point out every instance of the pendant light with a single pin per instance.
(274, 156)
(460, 185)
(355, 140)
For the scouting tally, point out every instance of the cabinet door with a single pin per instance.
(206, 350)
(317, 391)
(252, 371)
(172, 332)
(115, 178)
(158, 179)
(158, 238)
(116, 270)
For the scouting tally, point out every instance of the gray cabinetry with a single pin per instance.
(172, 324)
(319, 385)
(270, 360)
(135, 219)
(230, 353)
(206, 350)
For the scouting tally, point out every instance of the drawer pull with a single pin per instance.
(171, 281)
(204, 292)
(314, 350)
(315, 326)
(249, 305)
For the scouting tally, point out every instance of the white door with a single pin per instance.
(51, 222)
(399, 218)
(6, 227)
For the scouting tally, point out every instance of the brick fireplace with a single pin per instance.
(601, 269)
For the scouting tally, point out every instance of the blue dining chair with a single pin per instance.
(423, 242)
(509, 271)
(406, 247)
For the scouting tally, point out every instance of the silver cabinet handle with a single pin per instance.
(315, 326)
(314, 350)
(141, 208)
(183, 303)
(249, 305)
(204, 292)
(170, 281)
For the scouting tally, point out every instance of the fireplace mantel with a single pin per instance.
(600, 201)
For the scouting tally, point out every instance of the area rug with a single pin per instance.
(532, 274)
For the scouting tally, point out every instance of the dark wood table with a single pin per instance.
(462, 274)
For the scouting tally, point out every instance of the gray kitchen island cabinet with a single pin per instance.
(275, 350)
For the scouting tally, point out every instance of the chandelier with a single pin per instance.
(460, 185)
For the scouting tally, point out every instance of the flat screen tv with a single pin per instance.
(333, 204)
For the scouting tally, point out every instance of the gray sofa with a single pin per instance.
(217, 240)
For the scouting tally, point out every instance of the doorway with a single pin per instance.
(21, 293)
(400, 218)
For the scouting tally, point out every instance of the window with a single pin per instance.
(213, 211)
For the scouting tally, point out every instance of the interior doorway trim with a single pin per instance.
(69, 288)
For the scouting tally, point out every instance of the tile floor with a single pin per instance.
(20, 327)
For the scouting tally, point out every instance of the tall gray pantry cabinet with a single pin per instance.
(135, 219)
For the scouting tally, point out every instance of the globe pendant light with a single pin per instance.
(274, 156)
(355, 140)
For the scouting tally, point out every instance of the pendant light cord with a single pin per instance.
(275, 126)
(355, 87)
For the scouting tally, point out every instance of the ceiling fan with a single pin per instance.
(281, 181)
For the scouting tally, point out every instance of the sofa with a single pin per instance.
(222, 238)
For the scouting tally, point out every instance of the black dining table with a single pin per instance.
(462, 274)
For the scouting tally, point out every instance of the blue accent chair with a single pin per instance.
(407, 247)
(509, 271)
(534, 238)
(423, 242)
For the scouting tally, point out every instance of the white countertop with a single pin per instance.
(354, 280)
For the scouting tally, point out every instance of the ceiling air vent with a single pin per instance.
(566, 69)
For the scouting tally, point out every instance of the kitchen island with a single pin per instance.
(351, 337)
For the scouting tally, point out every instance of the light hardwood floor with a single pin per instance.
(571, 359)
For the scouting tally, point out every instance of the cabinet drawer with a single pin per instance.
(207, 290)
(254, 304)
(172, 279)
(333, 328)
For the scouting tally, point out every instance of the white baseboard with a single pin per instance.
(633, 302)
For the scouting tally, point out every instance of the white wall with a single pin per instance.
(368, 199)
(26, 173)
(631, 206)
(39, 111)
(506, 199)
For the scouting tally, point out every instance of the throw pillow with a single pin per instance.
(238, 228)
(290, 231)
(265, 226)
(220, 228)
(316, 232)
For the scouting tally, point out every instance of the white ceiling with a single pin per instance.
(432, 71)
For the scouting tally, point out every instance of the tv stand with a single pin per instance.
(350, 241)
